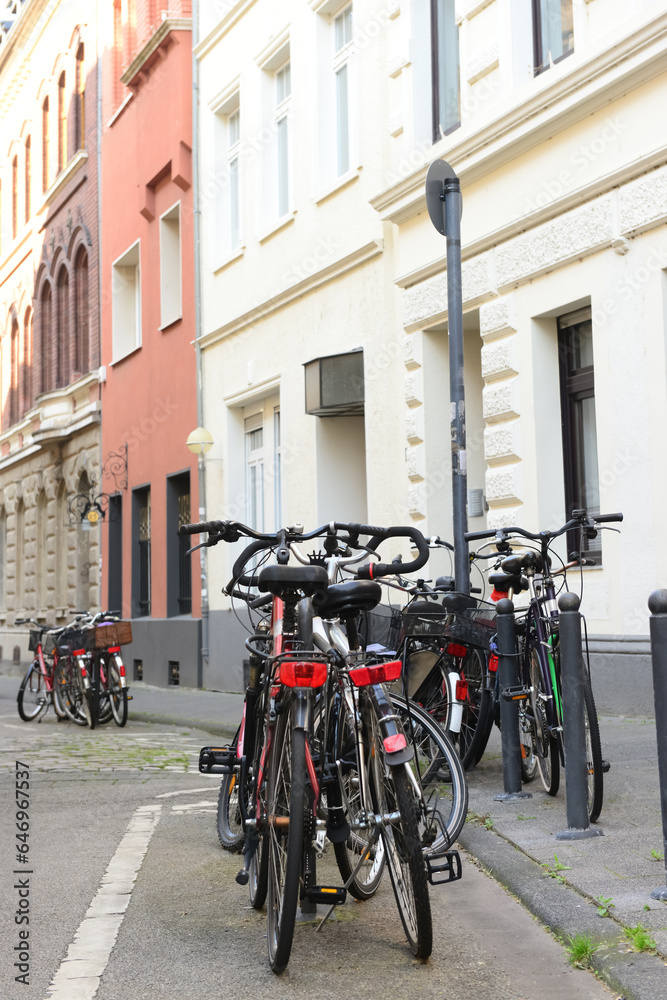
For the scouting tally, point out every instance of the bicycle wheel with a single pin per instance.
(477, 715)
(393, 794)
(33, 697)
(69, 691)
(117, 694)
(105, 712)
(440, 770)
(92, 696)
(258, 873)
(230, 822)
(546, 747)
(593, 752)
(286, 805)
(349, 853)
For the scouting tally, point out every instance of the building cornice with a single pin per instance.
(561, 102)
(152, 45)
(309, 284)
(225, 24)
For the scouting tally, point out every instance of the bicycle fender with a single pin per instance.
(396, 757)
(302, 711)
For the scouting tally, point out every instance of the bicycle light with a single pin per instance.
(299, 673)
(377, 674)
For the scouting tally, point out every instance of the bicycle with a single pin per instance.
(296, 788)
(540, 694)
(107, 693)
(37, 688)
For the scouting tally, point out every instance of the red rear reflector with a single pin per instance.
(461, 690)
(78, 652)
(497, 595)
(395, 742)
(455, 650)
(302, 674)
(114, 649)
(493, 663)
(378, 673)
(122, 670)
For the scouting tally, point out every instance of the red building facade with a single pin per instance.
(147, 316)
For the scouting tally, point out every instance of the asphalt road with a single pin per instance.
(127, 877)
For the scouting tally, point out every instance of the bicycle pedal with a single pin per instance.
(331, 895)
(443, 867)
(130, 697)
(217, 760)
(243, 877)
(606, 766)
(515, 693)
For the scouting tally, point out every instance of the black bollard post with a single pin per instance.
(508, 675)
(657, 603)
(574, 732)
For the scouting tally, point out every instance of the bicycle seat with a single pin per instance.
(503, 581)
(349, 599)
(278, 580)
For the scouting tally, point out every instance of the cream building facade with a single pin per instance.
(316, 242)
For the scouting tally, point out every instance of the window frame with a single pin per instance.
(116, 354)
(539, 65)
(438, 131)
(171, 313)
(342, 62)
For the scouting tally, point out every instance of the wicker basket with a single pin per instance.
(108, 634)
(472, 626)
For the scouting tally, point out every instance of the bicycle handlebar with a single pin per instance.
(582, 520)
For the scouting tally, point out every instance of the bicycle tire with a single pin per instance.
(229, 820)
(117, 694)
(286, 804)
(546, 746)
(392, 793)
(439, 767)
(477, 715)
(92, 696)
(258, 874)
(33, 696)
(69, 691)
(365, 883)
(593, 753)
(58, 707)
(105, 710)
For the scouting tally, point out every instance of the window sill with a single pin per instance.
(282, 222)
(123, 357)
(226, 261)
(337, 185)
(170, 323)
(65, 175)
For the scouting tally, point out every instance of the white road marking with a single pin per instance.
(78, 977)
(189, 806)
(185, 791)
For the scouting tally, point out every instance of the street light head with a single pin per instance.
(199, 441)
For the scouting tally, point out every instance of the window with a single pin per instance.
(254, 464)
(341, 65)
(179, 574)
(126, 303)
(115, 560)
(26, 362)
(170, 266)
(62, 124)
(227, 236)
(62, 347)
(45, 340)
(80, 83)
(141, 553)
(575, 349)
(446, 87)
(45, 144)
(281, 117)
(263, 464)
(41, 576)
(3, 557)
(19, 547)
(14, 374)
(553, 35)
(15, 197)
(28, 179)
(81, 342)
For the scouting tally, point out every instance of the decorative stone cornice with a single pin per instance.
(152, 45)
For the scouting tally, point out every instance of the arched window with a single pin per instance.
(62, 531)
(28, 178)
(46, 338)
(80, 100)
(26, 362)
(62, 345)
(62, 124)
(45, 144)
(41, 589)
(83, 565)
(3, 557)
(19, 565)
(15, 196)
(81, 346)
(14, 375)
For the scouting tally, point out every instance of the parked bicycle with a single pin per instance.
(38, 690)
(322, 749)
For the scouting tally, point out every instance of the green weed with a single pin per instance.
(581, 951)
(605, 906)
(639, 938)
(554, 870)
(658, 855)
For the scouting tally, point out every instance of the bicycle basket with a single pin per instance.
(108, 634)
(33, 641)
(383, 626)
(460, 618)
(67, 641)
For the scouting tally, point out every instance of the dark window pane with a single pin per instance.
(445, 68)
(553, 32)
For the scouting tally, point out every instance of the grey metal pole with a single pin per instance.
(508, 675)
(657, 603)
(574, 733)
(452, 220)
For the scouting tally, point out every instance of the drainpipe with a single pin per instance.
(196, 221)
(98, 156)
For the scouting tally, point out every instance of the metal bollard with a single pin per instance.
(508, 676)
(657, 603)
(574, 732)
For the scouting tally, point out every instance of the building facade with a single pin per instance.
(318, 123)
(149, 377)
(49, 314)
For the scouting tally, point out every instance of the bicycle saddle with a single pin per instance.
(349, 599)
(278, 580)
